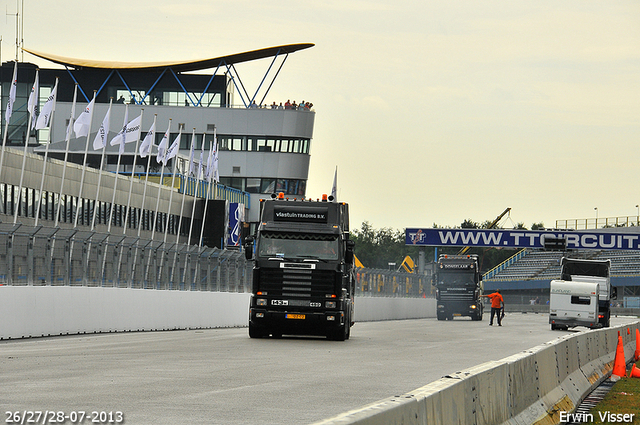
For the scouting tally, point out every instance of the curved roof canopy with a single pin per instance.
(180, 66)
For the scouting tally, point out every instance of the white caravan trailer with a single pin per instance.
(573, 304)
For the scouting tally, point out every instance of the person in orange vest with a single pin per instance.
(497, 304)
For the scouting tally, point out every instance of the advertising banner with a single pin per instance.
(514, 238)
(236, 217)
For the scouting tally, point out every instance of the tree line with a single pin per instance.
(376, 248)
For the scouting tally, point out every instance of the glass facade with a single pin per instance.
(263, 144)
(266, 185)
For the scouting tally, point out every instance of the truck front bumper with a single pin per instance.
(296, 322)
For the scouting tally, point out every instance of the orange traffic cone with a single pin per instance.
(635, 372)
(620, 364)
(637, 354)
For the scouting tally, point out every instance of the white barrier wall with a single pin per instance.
(32, 311)
(382, 308)
(532, 387)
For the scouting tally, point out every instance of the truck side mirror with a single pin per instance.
(248, 248)
(348, 257)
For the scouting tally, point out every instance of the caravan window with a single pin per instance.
(575, 299)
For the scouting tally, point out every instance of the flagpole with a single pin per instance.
(184, 192)
(184, 189)
(104, 150)
(133, 170)
(116, 174)
(9, 112)
(173, 183)
(155, 215)
(24, 157)
(146, 178)
(193, 207)
(46, 152)
(84, 163)
(208, 194)
(151, 134)
(163, 149)
(66, 153)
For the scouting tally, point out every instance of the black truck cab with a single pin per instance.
(303, 276)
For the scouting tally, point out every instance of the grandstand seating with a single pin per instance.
(545, 265)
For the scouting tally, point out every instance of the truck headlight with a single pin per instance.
(330, 304)
(261, 302)
(473, 307)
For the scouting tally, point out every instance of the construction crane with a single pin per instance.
(493, 224)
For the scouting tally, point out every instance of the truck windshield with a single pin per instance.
(456, 278)
(294, 245)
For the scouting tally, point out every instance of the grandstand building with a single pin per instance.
(261, 149)
(526, 276)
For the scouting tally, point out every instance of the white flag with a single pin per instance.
(145, 146)
(201, 164)
(12, 93)
(32, 105)
(209, 170)
(73, 112)
(162, 147)
(173, 149)
(82, 124)
(216, 174)
(129, 133)
(334, 188)
(47, 109)
(101, 137)
(192, 168)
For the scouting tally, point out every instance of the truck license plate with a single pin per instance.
(294, 316)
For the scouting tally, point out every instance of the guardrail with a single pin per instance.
(533, 387)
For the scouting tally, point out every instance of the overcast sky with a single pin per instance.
(433, 111)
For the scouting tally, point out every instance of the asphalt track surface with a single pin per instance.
(221, 376)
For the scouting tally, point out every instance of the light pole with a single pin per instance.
(638, 216)
(596, 208)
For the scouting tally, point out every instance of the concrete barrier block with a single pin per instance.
(589, 351)
(392, 411)
(488, 386)
(437, 404)
(524, 387)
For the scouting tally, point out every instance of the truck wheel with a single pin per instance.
(254, 333)
(339, 334)
(347, 325)
(440, 316)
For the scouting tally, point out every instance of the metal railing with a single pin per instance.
(71, 257)
(388, 283)
(597, 223)
(54, 256)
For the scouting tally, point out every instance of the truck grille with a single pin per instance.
(456, 296)
(298, 283)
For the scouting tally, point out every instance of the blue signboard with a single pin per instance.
(514, 238)
(236, 217)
